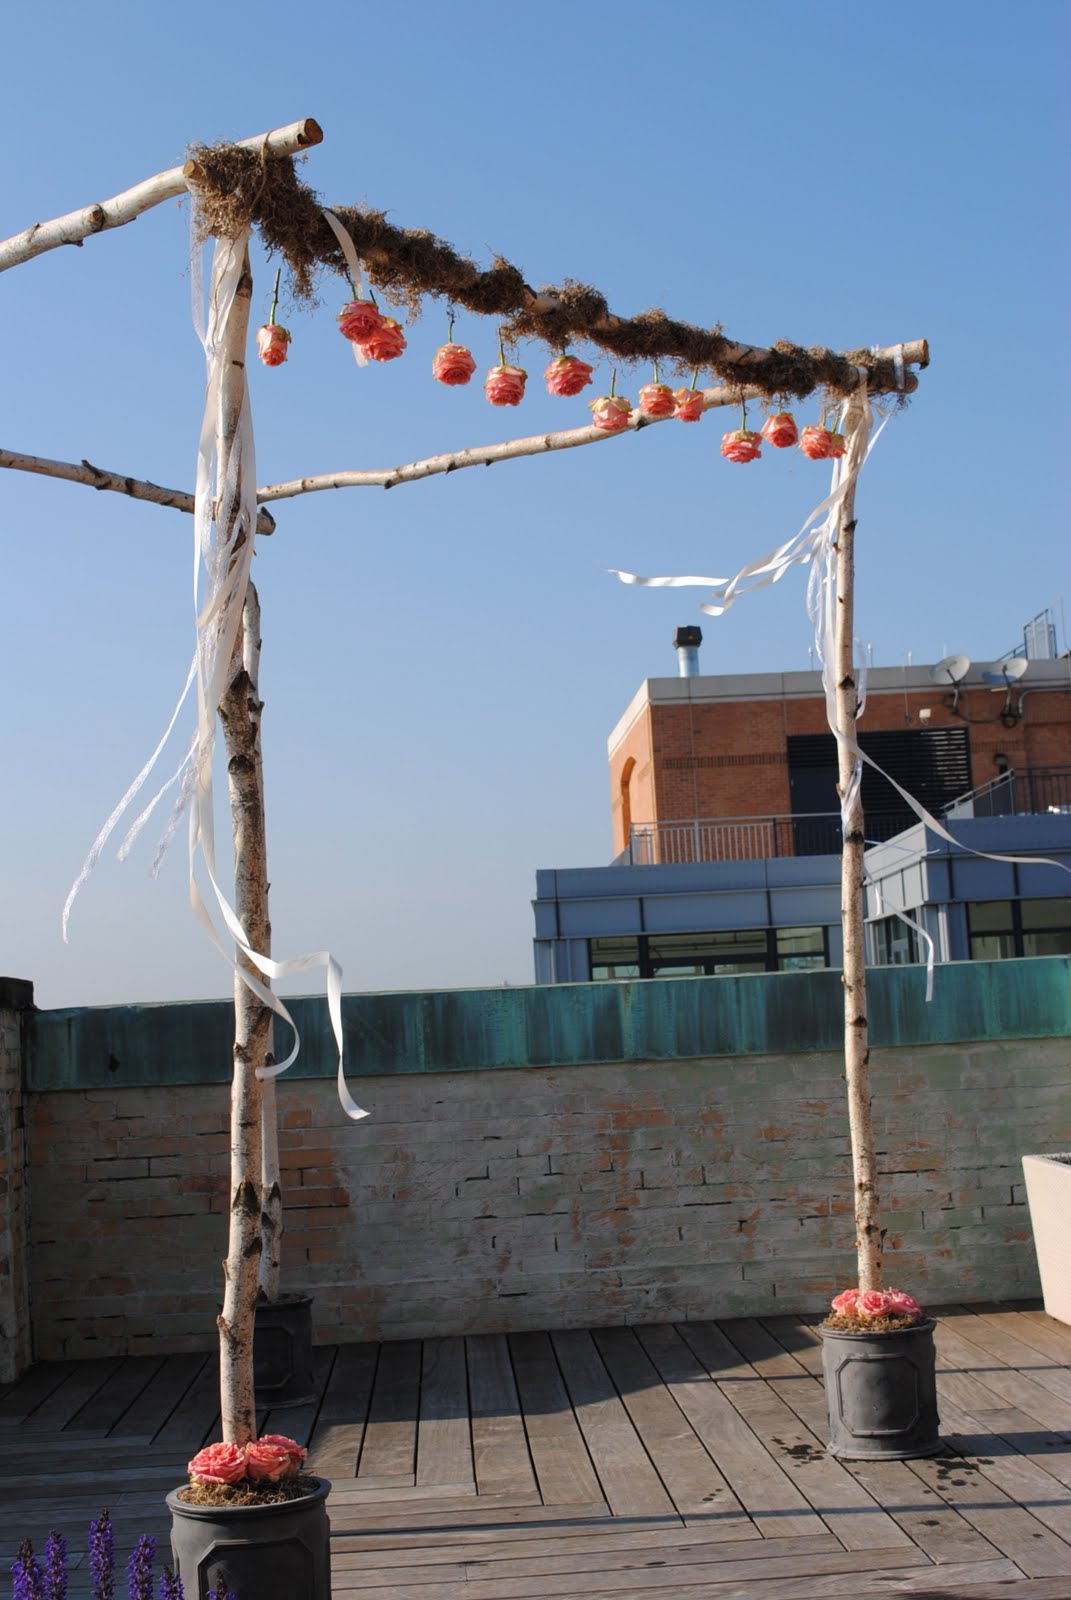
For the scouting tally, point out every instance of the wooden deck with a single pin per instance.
(672, 1462)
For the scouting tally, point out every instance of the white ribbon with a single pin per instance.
(346, 244)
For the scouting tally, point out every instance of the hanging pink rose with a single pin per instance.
(385, 343)
(567, 375)
(218, 1463)
(688, 404)
(873, 1303)
(504, 385)
(902, 1305)
(741, 445)
(657, 400)
(610, 412)
(272, 341)
(815, 442)
(847, 1304)
(267, 1462)
(453, 364)
(781, 430)
(837, 444)
(358, 320)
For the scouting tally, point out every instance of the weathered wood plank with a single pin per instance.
(106, 1408)
(564, 1473)
(499, 1443)
(162, 1396)
(444, 1435)
(518, 1543)
(296, 1422)
(1014, 1532)
(25, 1397)
(391, 1430)
(335, 1443)
(66, 1401)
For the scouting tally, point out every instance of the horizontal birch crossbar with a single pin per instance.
(79, 225)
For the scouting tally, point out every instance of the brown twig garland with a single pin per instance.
(238, 187)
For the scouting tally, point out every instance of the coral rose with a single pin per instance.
(567, 375)
(272, 341)
(815, 442)
(610, 412)
(873, 1303)
(656, 400)
(847, 1304)
(267, 1462)
(358, 320)
(504, 385)
(218, 1463)
(689, 404)
(781, 430)
(741, 445)
(837, 444)
(385, 343)
(453, 364)
(296, 1452)
(902, 1305)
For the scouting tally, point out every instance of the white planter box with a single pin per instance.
(1048, 1192)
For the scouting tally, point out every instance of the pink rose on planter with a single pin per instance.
(837, 444)
(610, 412)
(656, 400)
(741, 445)
(902, 1305)
(847, 1304)
(689, 404)
(815, 442)
(267, 1462)
(385, 342)
(358, 320)
(296, 1452)
(453, 364)
(218, 1463)
(272, 342)
(567, 375)
(873, 1303)
(781, 430)
(504, 385)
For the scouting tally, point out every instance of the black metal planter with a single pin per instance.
(282, 1352)
(261, 1551)
(881, 1393)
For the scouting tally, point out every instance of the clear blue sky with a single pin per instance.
(442, 664)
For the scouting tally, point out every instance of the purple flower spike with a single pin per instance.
(171, 1586)
(139, 1569)
(220, 1594)
(102, 1557)
(55, 1566)
(27, 1584)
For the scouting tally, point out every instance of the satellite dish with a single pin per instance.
(951, 670)
(1004, 673)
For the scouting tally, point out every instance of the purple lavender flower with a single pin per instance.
(220, 1594)
(139, 1569)
(28, 1583)
(171, 1586)
(102, 1556)
(55, 1566)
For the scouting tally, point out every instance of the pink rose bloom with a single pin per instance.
(567, 375)
(847, 1304)
(218, 1463)
(837, 444)
(504, 385)
(741, 445)
(272, 341)
(453, 364)
(296, 1452)
(267, 1463)
(815, 442)
(610, 412)
(873, 1303)
(689, 404)
(902, 1305)
(656, 400)
(386, 342)
(358, 320)
(781, 430)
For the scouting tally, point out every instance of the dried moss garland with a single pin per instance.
(240, 188)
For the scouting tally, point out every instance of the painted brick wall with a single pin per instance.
(544, 1196)
(15, 1345)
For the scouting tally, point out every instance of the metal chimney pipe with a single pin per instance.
(686, 642)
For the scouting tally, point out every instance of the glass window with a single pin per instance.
(1053, 942)
(614, 958)
(1055, 913)
(992, 946)
(800, 949)
(989, 916)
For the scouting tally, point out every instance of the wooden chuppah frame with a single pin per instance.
(256, 1210)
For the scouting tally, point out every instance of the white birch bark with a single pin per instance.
(856, 1026)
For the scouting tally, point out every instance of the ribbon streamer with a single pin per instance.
(352, 261)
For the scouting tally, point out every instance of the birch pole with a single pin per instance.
(856, 1028)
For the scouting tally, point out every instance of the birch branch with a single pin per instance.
(100, 478)
(76, 226)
